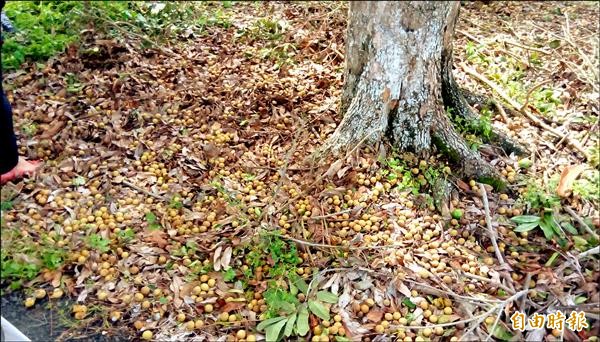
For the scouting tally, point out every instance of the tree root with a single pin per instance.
(448, 141)
(454, 98)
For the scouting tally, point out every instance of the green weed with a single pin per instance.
(22, 260)
(97, 242)
(286, 315)
(152, 221)
(45, 28)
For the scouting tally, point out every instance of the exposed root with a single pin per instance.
(451, 143)
(454, 98)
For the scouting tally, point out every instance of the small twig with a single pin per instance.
(492, 235)
(470, 36)
(501, 111)
(487, 280)
(522, 302)
(323, 216)
(322, 245)
(526, 47)
(581, 222)
(488, 221)
(135, 187)
(500, 308)
(531, 90)
(517, 107)
(592, 251)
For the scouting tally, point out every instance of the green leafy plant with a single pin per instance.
(99, 243)
(289, 316)
(175, 203)
(152, 221)
(53, 258)
(284, 256)
(6, 205)
(229, 275)
(126, 235)
(544, 213)
(21, 260)
(546, 222)
(45, 28)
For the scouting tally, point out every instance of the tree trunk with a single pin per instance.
(398, 61)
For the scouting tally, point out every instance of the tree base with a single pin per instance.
(399, 83)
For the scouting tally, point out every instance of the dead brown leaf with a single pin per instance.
(157, 237)
(375, 315)
(567, 178)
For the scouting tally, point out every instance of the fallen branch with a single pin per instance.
(492, 235)
(487, 280)
(581, 222)
(488, 221)
(518, 107)
(592, 251)
(501, 111)
(531, 90)
(135, 187)
(500, 308)
(526, 47)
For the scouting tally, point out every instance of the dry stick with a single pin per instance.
(584, 56)
(470, 36)
(522, 302)
(501, 111)
(531, 90)
(484, 279)
(526, 47)
(419, 285)
(322, 245)
(581, 222)
(500, 308)
(135, 187)
(517, 107)
(591, 251)
(324, 216)
(488, 221)
(492, 235)
(578, 71)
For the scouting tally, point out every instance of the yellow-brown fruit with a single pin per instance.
(56, 293)
(102, 295)
(138, 325)
(180, 317)
(29, 302)
(241, 334)
(190, 325)
(39, 293)
(147, 335)
(115, 316)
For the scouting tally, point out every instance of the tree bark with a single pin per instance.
(398, 61)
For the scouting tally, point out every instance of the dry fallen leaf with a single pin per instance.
(567, 177)
(375, 315)
(157, 237)
(334, 168)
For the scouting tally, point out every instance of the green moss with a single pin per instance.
(497, 183)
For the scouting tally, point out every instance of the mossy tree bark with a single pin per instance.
(399, 80)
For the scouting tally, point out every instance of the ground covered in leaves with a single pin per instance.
(179, 199)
